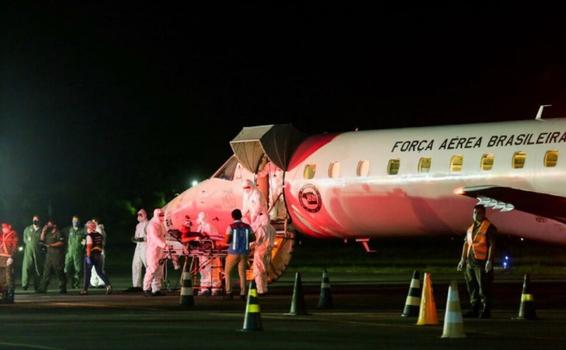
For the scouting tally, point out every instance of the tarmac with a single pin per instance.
(366, 316)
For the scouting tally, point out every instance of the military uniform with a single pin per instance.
(480, 238)
(32, 267)
(54, 261)
(75, 254)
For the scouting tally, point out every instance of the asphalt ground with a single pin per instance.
(366, 316)
(369, 294)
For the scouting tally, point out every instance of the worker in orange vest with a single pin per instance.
(477, 262)
(8, 245)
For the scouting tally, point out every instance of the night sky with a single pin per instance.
(105, 108)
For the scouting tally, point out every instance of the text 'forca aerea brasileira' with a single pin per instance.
(478, 142)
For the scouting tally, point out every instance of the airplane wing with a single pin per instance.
(507, 199)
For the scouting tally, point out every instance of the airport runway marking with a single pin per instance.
(30, 346)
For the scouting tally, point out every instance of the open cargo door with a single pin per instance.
(254, 147)
(276, 142)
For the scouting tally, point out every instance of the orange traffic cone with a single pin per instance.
(252, 318)
(453, 322)
(427, 312)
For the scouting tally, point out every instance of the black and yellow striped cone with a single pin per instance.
(413, 301)
(252, 319)
(527, 308)
(298, 306)
(187, 299)
(325, 300)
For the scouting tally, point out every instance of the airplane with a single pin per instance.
(391, 183)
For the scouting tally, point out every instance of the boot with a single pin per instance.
(10, 296)
(473, 313)
(485, 312)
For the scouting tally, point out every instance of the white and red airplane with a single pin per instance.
(402, 182)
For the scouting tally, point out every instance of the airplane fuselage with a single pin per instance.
(405, 182)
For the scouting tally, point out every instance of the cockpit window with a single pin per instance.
(227, 170)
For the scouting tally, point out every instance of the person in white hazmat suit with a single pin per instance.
(95, 280)
(265, 237)
(155, 243)
(275, 178)
(138, 262)
(210, 267)
(253, 203)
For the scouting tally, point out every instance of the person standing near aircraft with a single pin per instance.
(138, 262)
(253, 203)
(155, 243)
(54, 240)
(477, 260)
(265, 236)
(8, 246)
(93, 258)
(75, 251)
(209, 266)
(32, 267)
(239, 235)
(95, 280)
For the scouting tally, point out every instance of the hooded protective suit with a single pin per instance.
(155, 243)
(139, 255)
(253, 203)
(210, 268)
(265, 237)
(275, 176)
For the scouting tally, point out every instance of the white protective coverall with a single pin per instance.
(155, 243)
(210, 268)
(95, 280)
(138, 263)
(253, 203)
(275, 178)
(265, 237)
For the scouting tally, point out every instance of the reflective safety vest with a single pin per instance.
(240, 243)
(478, 243)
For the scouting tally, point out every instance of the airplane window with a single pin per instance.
(334, 170)
(519, 159)
(551, 158)
(487, 162)
(393, 166)
(363, 168)
(310, 171)
(456, 163)
(424, 164)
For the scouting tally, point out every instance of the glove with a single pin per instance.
(488, 266)
(9, 262)
(461, 265)
(88, 260)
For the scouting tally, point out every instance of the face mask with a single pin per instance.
(36, 222)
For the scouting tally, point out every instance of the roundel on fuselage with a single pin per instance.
(310, 199)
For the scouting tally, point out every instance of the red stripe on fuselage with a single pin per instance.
(308, 147)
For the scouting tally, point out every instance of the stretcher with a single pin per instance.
(192, 246)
